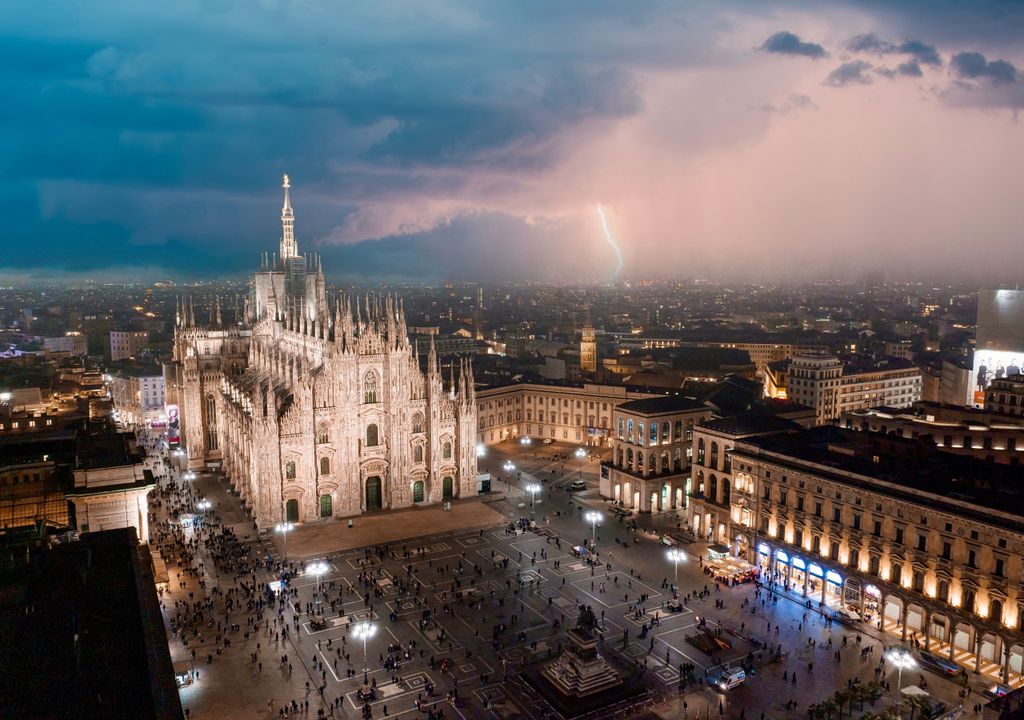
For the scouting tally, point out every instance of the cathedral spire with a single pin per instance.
(289, 248)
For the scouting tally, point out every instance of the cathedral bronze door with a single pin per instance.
(447, 488)
(417, 491)
(292, 510)
(373, 501)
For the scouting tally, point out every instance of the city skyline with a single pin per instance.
(458, 143)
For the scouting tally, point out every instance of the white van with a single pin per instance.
(730, 678)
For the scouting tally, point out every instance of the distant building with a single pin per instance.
(125, 344)
(1006, 396)
(955, 383)
(999, 344)
(73, 343)
(833, 386)
(139, 394)
(588, 350)
(986, 434)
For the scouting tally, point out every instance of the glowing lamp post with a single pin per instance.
(901, 659)
(533, 489)
(593, 517)
(284, 528)
(676, 556)
(581, 454)
(364, 631)
(204, 505)
(317, 569)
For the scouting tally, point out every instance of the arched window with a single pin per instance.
(417, 423)
(679, 459)
(995, 611)
(629, 430)
(714, 454)
(325, 466)
(620, 428)
(713, 488)
(446, 451)
(654, 433)
(629, 458)
(700, 482)
(700, 451)
(726, 491)
(664, 432)
(370, 388)
(640, 433)
(371, 435)
(289, 469)
(323, 434)
(665, 461)
(417, 453)
(650, 461)
(689, 430)
(639, 460)
(211, 423)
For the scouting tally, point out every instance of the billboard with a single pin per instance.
(992, 365)
(173, 425)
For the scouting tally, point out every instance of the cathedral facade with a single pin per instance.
(317, 407)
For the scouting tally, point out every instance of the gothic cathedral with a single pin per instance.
(317, 408)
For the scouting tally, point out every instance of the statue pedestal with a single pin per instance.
(580, 671)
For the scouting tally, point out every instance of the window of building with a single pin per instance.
(899, 536)
(922, 542)
(998, 572)
(446, 451)
(942, 591)
(855, 558)
(837, 514)
(417, 453)
(325, 466)
(700, 451)
(947, 550)
(896, 573)
(289, 470)
(370, 388)
(877, 531)
(323, 435)
(371, 435)
(972, 559)
(417, 423)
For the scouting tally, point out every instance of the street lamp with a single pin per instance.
(525, 441)
(481, 450)
(901, 658)
(204, 505)
(364, 631)
(284, 528)
(508, 467)
(318, 568)
(533, 489)
(593, 517)
(676, 556)
(580, 455)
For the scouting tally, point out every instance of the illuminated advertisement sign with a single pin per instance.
(173, 425)
(992, 365)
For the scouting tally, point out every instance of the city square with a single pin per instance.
(467, 612)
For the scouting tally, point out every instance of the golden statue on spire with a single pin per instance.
(287, 183)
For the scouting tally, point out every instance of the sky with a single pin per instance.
(453, 140)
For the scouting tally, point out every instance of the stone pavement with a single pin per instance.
(526, 581)
(320, 539)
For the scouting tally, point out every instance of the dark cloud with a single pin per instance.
(910, 69)
(786, 43)
(854, 72)
(871, 43)
(975, 66)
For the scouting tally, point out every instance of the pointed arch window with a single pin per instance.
(323, 434)
(417, 423)
(370, 388)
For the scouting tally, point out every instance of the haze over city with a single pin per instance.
(454, 140)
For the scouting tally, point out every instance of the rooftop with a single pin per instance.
(664, 404)
(751, 423)
(913, 470)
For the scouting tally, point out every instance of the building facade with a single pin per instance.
(984, 434)
(652, 453)
(138, 394)
(588, 350)
(832, 386)
(557, 411)
(1006, 396)
(925, 546)
(126, 344)
(315, 409)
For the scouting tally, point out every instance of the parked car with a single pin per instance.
(578, 485)
(729, 678)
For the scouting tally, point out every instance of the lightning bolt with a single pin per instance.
(610, 239)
